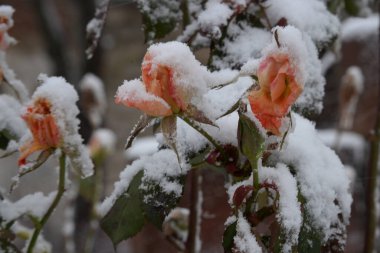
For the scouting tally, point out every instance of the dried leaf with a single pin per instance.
(141, 125)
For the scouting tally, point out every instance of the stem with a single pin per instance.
(60, 191)
(195, 204)
(371, 195)
(94, 218)
(185, 14)
(262, 8)
(255, 170)
(202, 132)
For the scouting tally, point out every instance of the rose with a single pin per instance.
(43, 127)
(159, 95)
(278, 90)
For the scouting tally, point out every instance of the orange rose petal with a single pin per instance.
(151, 107)
(277, 87)
(43, 127)
(278, 91)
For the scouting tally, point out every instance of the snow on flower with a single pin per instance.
(44, 129)
(279, 88)
(51, 118)
(172, 79)
(304, 58)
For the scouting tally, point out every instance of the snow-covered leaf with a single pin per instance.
(160, 17)
(126, 217)
(228, 237)
(158, 203)
(5, 138)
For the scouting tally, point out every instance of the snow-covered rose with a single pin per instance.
(278, 90)
(43, 127)
(172, 79)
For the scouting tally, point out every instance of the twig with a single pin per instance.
(195, 203)
(372, 184)
(60, 191)
(95, 27)
(202, 132)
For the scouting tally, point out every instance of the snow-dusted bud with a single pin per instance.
(93, 98)
(350, 89)
(102, 142)
(51, 118)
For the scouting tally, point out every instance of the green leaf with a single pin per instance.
(334, 5)
(160, 17)
(251, 142)
(126, 217)
(351, 7)
(196, 158)
(228, 237)
(309, 239)
(5, 138)
(157, 203)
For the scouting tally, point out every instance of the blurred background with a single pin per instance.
(51, 39)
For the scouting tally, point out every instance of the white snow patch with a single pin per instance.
(94, 87)
(35, 204)
(289, 214)
(321, 176)
(156, 168)
(244, 240)
(310, 16)
(359, 29)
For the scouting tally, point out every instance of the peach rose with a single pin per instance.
(278, 90)
(160, 96)
(44, 129)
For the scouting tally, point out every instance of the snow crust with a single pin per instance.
(141, 147)
(359, 29)
(215, 14)
(244, 43)
(159, 171)
(321, 176)
(94, 86)
(35, 204)
(244, 240)
(289, 214)
(156, 168)
(10, 116)
(310, 16)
